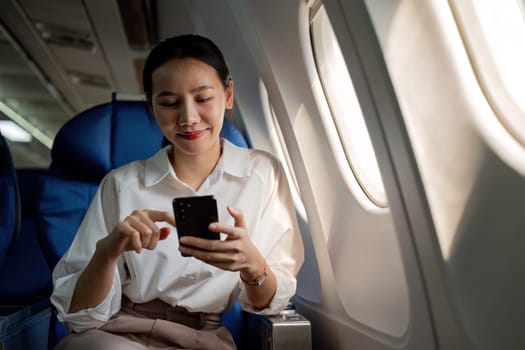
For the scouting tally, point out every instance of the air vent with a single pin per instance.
(138, 17)
(82, 78)
(65, 37)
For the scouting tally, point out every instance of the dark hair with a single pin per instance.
(184, 46)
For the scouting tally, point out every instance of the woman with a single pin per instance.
(124, 282)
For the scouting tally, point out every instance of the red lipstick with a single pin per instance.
(191, 135)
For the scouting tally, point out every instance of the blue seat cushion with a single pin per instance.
(66, 202)
(103, 138)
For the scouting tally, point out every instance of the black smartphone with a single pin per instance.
(194, 214)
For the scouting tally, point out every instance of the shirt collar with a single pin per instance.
(157, 167)
(233, 161)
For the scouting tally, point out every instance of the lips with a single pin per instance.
(190, 135)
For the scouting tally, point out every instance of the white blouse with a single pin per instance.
(251, 180)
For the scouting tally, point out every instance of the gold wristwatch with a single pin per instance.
(259, 279)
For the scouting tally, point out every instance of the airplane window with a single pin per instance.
(494, 33)
(279, 144)
(345, 108)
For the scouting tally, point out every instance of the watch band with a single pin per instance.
(259, 279)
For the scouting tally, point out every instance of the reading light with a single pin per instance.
(11, 131)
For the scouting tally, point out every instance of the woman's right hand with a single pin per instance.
(135, 232)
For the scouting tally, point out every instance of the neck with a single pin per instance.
(194, 169)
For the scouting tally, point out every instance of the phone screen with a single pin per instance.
(194, 214)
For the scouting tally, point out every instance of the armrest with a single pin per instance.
(24, 327)
(285, 331)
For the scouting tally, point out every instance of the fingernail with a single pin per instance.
(235, 210)
(164, 232)
(212, 226)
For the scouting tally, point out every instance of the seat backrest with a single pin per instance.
(9, 202)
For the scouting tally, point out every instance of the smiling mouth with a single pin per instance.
(191, 135)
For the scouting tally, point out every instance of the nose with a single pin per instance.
(188, 114)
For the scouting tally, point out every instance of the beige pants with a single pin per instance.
(153, 325)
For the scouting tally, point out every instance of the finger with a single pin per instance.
(146, 230)
(157, 215)
(224, 261)
(238, 216)
(230, 231)
(207, 244)
(154, 239)
(145, 217)
(149, 217)
(133, 236)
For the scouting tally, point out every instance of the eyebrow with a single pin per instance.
(194, 90)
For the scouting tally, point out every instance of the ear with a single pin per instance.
(229, 95)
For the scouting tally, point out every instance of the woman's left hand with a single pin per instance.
(236, 253)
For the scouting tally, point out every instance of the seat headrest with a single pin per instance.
(105, 137)
(232, 134)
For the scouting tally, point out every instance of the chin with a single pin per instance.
(195, 148)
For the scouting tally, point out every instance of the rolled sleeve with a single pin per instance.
(286, 286)
(87, 318)
(279, 240)
(70, 267)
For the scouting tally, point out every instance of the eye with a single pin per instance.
(169, 103)
(204, 99)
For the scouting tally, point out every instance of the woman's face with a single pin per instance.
(188, 101)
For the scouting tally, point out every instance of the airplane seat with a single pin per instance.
(86, 148)
(232, 134)
(9, 202)
(24, 287)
